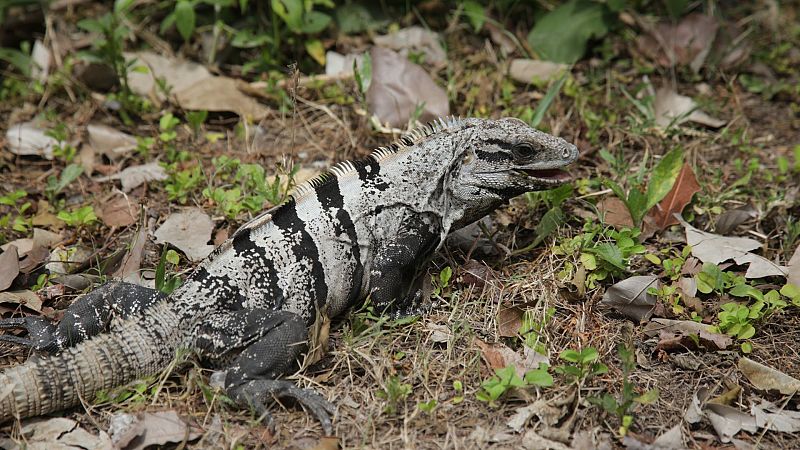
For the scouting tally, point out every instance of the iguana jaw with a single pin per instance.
(549, 176)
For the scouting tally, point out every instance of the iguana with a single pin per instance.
(364, 229)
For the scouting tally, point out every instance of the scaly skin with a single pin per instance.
(367, 228)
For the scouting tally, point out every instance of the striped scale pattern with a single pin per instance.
(365, 228)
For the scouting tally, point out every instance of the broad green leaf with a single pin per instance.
(611, 254)
(353, 18)
(122, 6)
(562, 34)
(539, 377)
(291, 11)
(184, 19)
(570, 356)
(476, 14)
(589, 354)
(314, 22)
(648, 397)
(637, 205)
(549, 223)
(316, 50)
(664, 175)
(363, 73)
(17, 59)
(745, 290)
(544, 103)
(70, 174)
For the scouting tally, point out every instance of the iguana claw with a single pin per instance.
(255, 392)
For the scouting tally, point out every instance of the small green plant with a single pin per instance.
(57, 184)
(623, 405)
(428, 406)
(136, 394)
(507, 378)
(63, 149)
(17, 222)
(441, 283)
(582, 364)
(530, 330)
(108, 47)
(196, 120)
(603, 252)
(458, 386)
(78, 217)
(164, 282)
(181, 183)
(639, 202)
(167, 124)
(394, 392)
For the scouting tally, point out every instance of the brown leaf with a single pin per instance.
(131, 263)
(499, 355)
(9, 267)
(731, 219)
(629, 297)
(121, 211)
(793, 277)
(148, 429)
(768, 379)
(189, 231)
(398, 87)
(509, 321)
(682, 335)
(614, 212)
(676, 199)
(686, 43)
(26, 297)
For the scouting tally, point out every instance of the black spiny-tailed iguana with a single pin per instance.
(363, 229)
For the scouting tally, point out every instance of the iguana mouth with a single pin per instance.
(549, 175)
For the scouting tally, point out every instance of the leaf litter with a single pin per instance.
(189, 231)
(713, 248)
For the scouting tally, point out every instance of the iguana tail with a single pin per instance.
(137, 347)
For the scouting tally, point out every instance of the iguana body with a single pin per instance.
(366, 228)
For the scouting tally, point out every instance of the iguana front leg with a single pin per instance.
(259, 346)
(397, 276)
(88, 316)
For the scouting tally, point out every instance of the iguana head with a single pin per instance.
(500, 159)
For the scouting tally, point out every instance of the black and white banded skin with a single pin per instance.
(366, 228)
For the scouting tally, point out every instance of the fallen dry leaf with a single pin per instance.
(417, 39)
(220, 94)
(768, 379)
(191, 85)
(629, 297)
(25, 297)
(713, 248)
(509, 320)
(729, 220)
(613, 212)
(771, 417)
(9, 267)
(189, 231)
(134, 176)
(40, 57)
(682, 335)
(674, 109)
(793, 268)
(399, 87)
(131, 263)
(677, 198)
(57, 433)
(337, 64)
(121, 211)
(28, 139)
(110, 141)
(131, 432)
(499, 355)
(672, 439)
(686, 43)
(530, 70)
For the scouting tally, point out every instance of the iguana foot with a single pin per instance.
(40, 333)
(254, 394)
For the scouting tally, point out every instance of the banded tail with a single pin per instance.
(136, 348)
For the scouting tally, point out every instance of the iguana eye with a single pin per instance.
(523, 150)
(468, 158)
